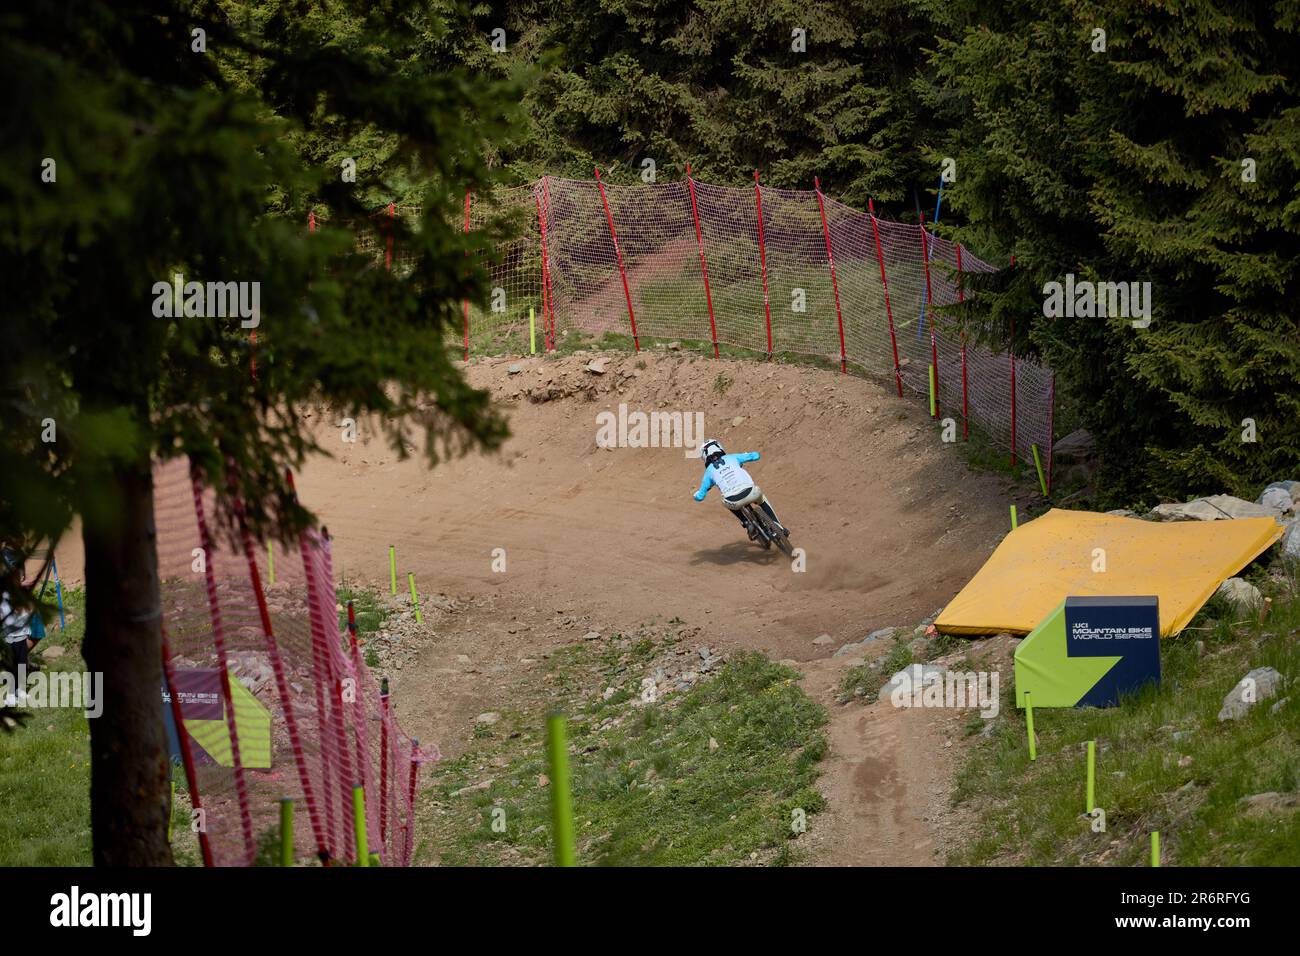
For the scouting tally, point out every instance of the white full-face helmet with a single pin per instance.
(711, 451)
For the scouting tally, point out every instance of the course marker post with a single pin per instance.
(557, 750)
(415, 598)
(532, 332)
(1038, 464)
(465, 302)
(1092, 775)
(932, 390)
(286, 831)
(618, 254)
(359, 824)
(392, 568)
(1155, 847)
(704, 268)
(1029, 726)
(1014, 523)
(884, 284)
(58, 591)
(171, 805)
(762, 262)
(835, 286)
(270, 564)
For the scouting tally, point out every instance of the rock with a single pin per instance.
(1290, 543)
(1260, 684)
(713, 744)
(591, 636)
(1276, 499)
(543, 780)
(675, 346)
(821, 640)
(1213, 508)
(1269, 802)
(1240, 594)
(597, 365)
(473, 788)
(514, 369)
(1123, 513)
(488, 719)
(738, 420)
(1277, 708)
(916, 674)
(462, 659)
(1076, 446)
(53, 652)
(609, 692)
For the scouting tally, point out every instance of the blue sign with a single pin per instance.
(1127, 628)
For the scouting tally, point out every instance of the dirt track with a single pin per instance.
(891, 523)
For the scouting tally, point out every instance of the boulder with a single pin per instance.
(1290, 543)
(1240, 593)
(1213, 508)
(597, 365)
(514, 369)
(1260, 684)
(1276, 499)
(821, 640)
(1076, 446)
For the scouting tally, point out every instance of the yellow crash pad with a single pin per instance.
(1046, 560)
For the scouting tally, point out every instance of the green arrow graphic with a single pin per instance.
(1044, 668)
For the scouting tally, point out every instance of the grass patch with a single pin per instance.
(1164, 761)
(45, 766)
(865, 680)
(648, 787)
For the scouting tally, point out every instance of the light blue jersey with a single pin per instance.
(730, 478)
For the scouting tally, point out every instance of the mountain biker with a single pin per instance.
(734, 483)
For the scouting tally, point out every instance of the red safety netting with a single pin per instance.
(298, 715)
(772, 271)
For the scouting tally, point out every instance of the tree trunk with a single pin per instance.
(128, 747)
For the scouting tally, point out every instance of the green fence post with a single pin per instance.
(1092, 773)
(415, 598)
(392, 567)
(532, 332)
(270, 563)
(1042, 482)
(359, 825)
(1029, 724)
(932, 391)
(561, 798)
(286, 831)
(1013, 518)
(1155, 847)
(171, 805)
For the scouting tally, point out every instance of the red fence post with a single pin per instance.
(546, 198)
(884, 284)
(929, 299)
(383, 761)
(315, 613)
(187, 758)
(388, 253)
(618, 254)
(699, 241)
(548, 320)
(1051, 432)
(835, 287)
(965, 404)
(219, 640)
(1012, 351)
(277, 666)
(410, 800)
(762, 261)
(465, 302)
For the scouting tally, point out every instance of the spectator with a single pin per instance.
(17, 629)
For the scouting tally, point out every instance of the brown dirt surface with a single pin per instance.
(890, 521)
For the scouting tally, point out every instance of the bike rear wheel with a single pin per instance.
(774, 533)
